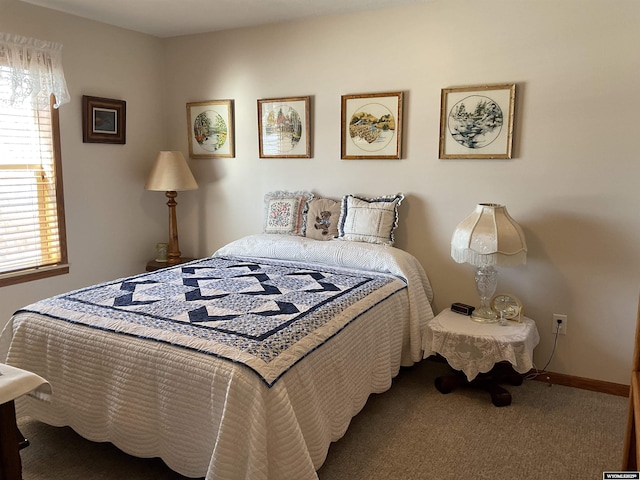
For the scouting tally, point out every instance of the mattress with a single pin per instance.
(207, 410)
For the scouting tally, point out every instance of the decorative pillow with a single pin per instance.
(370, 220)
(322, 219)
(285, 212)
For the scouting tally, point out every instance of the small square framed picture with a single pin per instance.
(477, 121)
(210, 129)
(104, 120)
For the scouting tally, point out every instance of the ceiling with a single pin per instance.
(169, 18)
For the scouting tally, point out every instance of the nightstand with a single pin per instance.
(482, 354)
(153, 265)
(14, 383)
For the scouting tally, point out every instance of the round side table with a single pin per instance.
(482, 354)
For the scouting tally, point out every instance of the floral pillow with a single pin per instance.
(370, 220)
(286, 212)
(322, 219)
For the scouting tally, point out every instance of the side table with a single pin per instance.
(153, 265)
(485, 353)
(14, 382)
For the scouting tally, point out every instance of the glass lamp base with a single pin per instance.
(484, 315)
(486, 281)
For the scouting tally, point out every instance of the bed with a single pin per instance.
(165, 364)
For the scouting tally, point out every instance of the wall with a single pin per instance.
(112, 223)
(571, 184)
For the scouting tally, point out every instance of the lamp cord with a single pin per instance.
(537, 373)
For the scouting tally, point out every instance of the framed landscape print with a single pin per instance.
(283, 128)
(477, 122)
(104, 120)
(372, 126)
(210, 129)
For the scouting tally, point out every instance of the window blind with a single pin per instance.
(31, 209)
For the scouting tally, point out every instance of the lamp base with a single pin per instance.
(484, 315)
(486, 282)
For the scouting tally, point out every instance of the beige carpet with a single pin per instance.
(410, 432)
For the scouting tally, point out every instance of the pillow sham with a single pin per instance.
(322, 219)
(370, 220)
(286, 212)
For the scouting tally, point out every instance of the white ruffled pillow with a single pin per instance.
(371, 220)
(286, 212)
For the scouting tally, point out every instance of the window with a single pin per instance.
(32, 225)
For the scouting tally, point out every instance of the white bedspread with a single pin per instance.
(209, 417)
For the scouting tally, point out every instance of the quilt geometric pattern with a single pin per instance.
(248, 310)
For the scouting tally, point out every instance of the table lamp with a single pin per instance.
(171, 174)
(487, 238)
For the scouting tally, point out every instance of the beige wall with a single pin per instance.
(571, 184)
(112, 223)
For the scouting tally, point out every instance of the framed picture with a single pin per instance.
(477, 122)
(210, 129)
(104, 120)
(372, 126)
(283, 128)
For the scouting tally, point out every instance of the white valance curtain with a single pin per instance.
(32, 70)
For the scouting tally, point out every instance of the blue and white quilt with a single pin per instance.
(266, 314)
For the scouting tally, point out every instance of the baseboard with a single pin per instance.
(569, 381)
(584, 383)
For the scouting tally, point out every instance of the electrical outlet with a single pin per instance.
(559, 324)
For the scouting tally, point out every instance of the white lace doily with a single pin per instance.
(475, 348)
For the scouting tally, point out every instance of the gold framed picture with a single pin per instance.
(283, 127)
(477, 121)
(372, 126)
(210, 129)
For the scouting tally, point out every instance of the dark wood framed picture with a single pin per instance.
(104, 120)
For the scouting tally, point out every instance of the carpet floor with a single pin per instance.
(409, 432)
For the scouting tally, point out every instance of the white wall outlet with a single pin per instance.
(559, 324)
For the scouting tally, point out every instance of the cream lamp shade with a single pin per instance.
(170, 173)
(488, 237)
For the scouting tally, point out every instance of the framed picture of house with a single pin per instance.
(477, 122)
(283, 127)
(103, 120)
(210, 129)
(372, 126)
